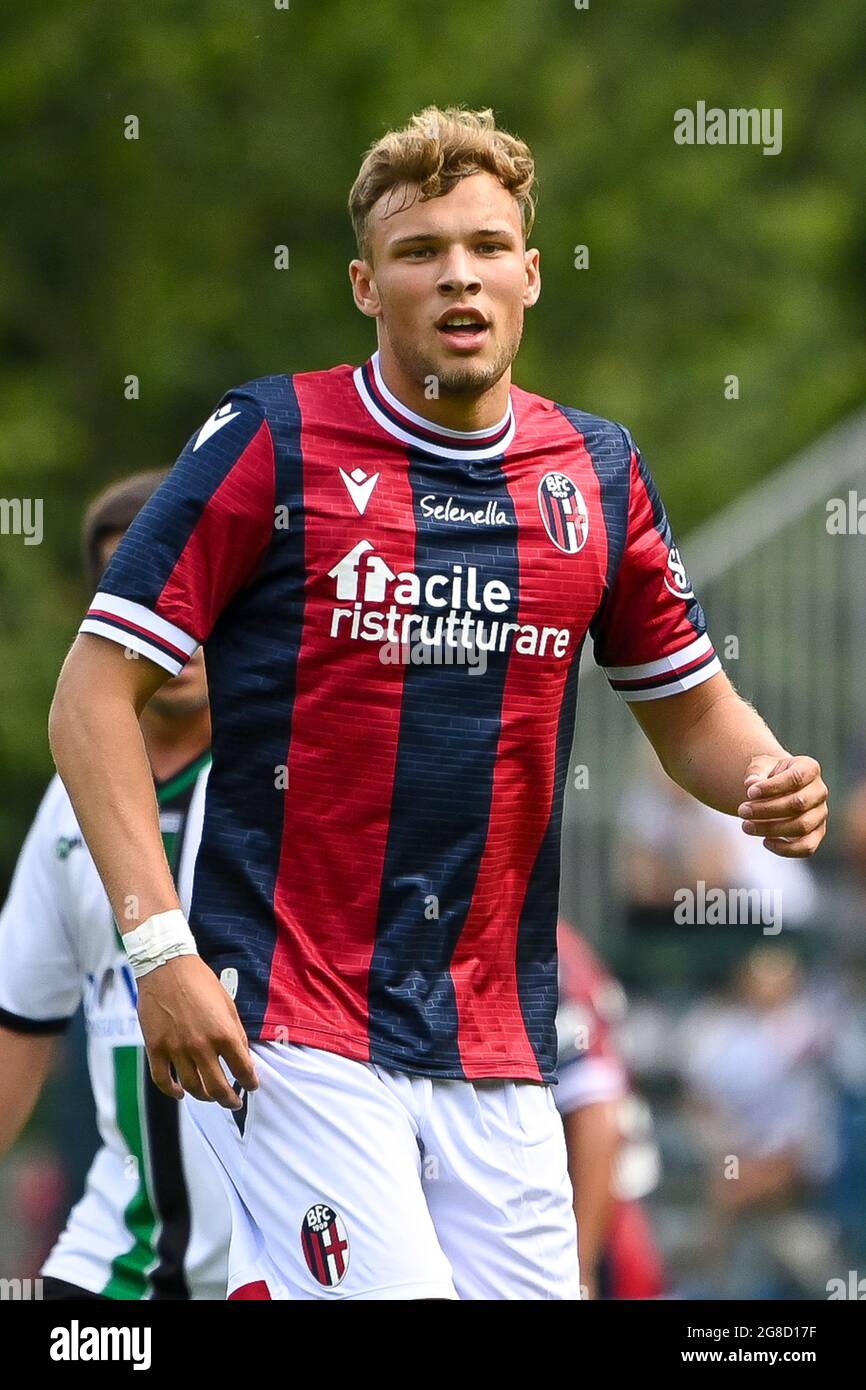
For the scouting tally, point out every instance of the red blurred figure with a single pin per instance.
(613, 1159)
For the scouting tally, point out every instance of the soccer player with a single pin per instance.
(375, 906)
(612, 1157)
(152, 1222)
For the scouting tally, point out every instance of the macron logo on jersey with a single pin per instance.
(359, 487)
(210, 427)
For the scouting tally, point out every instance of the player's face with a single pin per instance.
(184, 694)
(463, 250)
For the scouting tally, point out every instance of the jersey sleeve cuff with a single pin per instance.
(669, 675)
(35, 1026)
(139, 628)
(588, 1082)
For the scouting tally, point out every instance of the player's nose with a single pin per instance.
(458, 273)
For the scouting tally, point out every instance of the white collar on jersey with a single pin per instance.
(419, 433)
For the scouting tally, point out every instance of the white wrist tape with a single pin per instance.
(162, 937)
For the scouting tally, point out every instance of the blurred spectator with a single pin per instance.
(854, 832)
(765, 1111)
(840, 996)
(670, 841)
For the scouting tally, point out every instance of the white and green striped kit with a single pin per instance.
(153, 1222)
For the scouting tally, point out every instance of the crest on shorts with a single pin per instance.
(564, 512)
(325, 1244)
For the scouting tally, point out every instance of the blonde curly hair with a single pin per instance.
(436, 148)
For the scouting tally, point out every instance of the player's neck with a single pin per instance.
(454, 412)
(174, 741)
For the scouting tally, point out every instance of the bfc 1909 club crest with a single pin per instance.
(325, 1245)
(563, 511)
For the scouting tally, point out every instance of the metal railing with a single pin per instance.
(785, 602)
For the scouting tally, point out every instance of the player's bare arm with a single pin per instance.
(100, 755)
(712, 742)
(187, 1019)
(593, 1140)
(25, 1059)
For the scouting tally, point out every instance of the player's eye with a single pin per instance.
(420, 251)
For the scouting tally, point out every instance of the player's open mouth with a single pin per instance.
(462, 331)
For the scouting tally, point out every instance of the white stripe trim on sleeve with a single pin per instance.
(145, 618)
(701, 646)
(672, 687)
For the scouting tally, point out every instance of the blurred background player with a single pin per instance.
(750, 1046)
(152, 1222)
(613, 1160)
(758, 1065)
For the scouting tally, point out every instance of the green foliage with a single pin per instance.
(155, 256)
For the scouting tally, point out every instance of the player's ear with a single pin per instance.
(364, 289)
(532, 265)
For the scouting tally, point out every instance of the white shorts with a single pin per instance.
(349, 1180)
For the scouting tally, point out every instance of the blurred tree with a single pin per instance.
(154, 256)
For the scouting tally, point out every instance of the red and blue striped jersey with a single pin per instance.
(393, 616)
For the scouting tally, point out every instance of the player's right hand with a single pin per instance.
(189, 1023)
